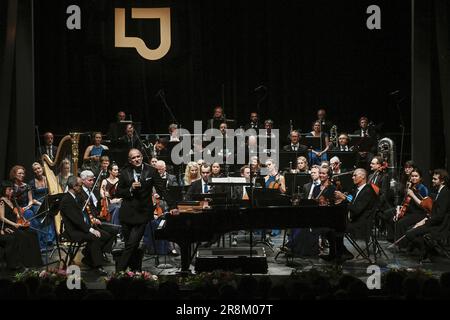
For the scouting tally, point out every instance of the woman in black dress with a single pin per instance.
(26, 239)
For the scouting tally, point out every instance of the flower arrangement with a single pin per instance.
(54, 276)
(130, 275)
(214, 279)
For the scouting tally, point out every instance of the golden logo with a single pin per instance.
(121, 41)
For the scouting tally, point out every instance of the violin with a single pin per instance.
(406, 202)
(158, 212)
(93, 220)
(104, 213)
(19, 211)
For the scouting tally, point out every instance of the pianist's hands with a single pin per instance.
(174, 212)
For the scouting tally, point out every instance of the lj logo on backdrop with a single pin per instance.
(121, 41)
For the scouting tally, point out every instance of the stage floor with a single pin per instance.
(279, 270)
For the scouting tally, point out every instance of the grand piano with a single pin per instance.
(202, 225)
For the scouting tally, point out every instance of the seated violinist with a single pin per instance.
(411, 211)
(324, 193)
(13, 224)
(78, 226)
(273, 179)
(90, 199)
(434, 227)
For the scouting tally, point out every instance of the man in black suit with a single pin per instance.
(368, 146)
(325, 125)
(200, 186)
(254, 122)
(217, 119)
(361, 208)
(308, 189)
(48, 148)
(130, 139)
(115, 130)
(135, 188)
(295, 145)
(95, 207)
(437, 226)
(380, 179)
(78, 226)
(343, 143)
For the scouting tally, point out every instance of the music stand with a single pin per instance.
(346, 180)
(362, 144)
(295, 181)
(49, 209)
(314, 143)
(268, 197)
(348, 158)
(287, 158)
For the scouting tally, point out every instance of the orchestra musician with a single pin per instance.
(335, 164)
(136, 188)
(93, 199)
(108, 190)
(173, 132)
(130, 138)
(39, 189)
(360, 216)
(302, 166)
(273, 179)
(370, 146)
(295, 145)
(324, 193)
(379, 180)
(93, 153)
(437, 225)
(48, 148)
(411, 211)
(22, 244)
(308, 189)
(343, 143)
(115, 128)
(64, 173)
(78, 226)
(319, 154)
(217, 119)
(22, 191)
(254, 122)
(325, 124)
(200, 186)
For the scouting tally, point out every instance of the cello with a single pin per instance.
(19, 211)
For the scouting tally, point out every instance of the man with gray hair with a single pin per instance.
(361, 205)
(78, 226)
(90, 198)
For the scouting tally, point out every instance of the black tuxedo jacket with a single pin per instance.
(441, 208)
(195, 188)
(362, 208)
(300, 148)
(43, 150)
(382, 182)
(133, 143)
(137, 205)
(83, 196)
(73, 218)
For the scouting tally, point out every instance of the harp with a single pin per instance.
(67, 149)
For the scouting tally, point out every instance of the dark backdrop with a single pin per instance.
(307, 53)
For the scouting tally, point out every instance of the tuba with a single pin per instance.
(386, 149)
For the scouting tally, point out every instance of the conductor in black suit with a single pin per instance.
(135, 188)
(360, 215)
(78, 227)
